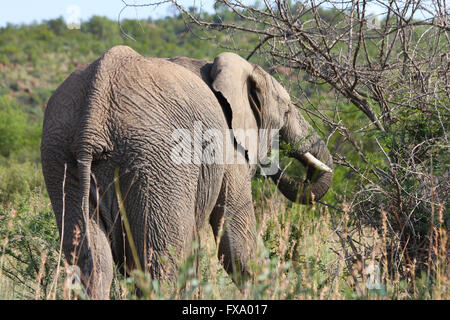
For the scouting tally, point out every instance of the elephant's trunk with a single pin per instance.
(308, 148)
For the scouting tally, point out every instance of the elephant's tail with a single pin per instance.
(84, 160)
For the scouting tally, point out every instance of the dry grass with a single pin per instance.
(304, 252)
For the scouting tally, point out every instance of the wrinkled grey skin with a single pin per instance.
(120, 112)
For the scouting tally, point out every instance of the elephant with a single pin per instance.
(108, 131)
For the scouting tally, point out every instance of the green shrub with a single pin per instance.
(19, 179)
(16, 132)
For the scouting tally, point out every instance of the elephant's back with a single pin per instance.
(168, 93)
(123, 93)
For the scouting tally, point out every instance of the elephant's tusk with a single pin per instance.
(313, 161)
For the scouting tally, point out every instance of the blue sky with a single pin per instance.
(27, 11)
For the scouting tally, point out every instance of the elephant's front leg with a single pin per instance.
(234, 224)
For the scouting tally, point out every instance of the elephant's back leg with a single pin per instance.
(159, 202)
(93, 257)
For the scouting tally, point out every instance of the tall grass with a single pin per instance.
(303, 252)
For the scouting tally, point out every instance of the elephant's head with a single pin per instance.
(257, 101)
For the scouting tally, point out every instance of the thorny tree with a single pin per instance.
(388, 61)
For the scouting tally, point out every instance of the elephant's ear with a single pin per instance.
(240, 84)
